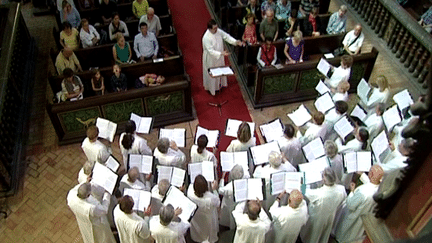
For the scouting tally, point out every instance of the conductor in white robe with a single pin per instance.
(213, 55)
(91, 214)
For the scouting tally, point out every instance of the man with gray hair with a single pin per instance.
(269, 27)
(253, 224)
(335, 159)
(158, 193)
(323, 203)
(169, 154)
(168, 227)
(131, 180)
(337, 21)
(398, 157)
(152, 21)
(84, 175)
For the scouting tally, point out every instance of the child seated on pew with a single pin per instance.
(149, 80)
(267, 54)
(97, 81)
(249, 35)
(341, 91)
(118, 80)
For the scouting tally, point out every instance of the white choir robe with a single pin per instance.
(139, 146)
(350, 227)
(212, 57)
(237, 146)
(336, 163)
(156, 200)
(351, 146)
(95, 151)
(323, 203)
(131, 227)
(376, 97)
(82, 178)
(339, 74)
(172, 233)
(227, 205)
(394, 161)
(340, 96)
(204, 156)
(91, 216)
(313, 131)
(125, 183)
(250, 231)
(173, 157)
(292, 149)
(204, 223)
(287, 221)
(374, 125)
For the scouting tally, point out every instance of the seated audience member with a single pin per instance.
(59, 4)
(98, 83)
(337, 21)
(70, 14)
(314, 129)
(168, 154)
(152, 21)
(69, 36)
(117, 26)
(130, 226)
(374, 122)
(145, 44)
(267, 54)
(341, 73)
(249, 35)
(252, 8)
(131, 143)
(140, 8)
(118, 80)
(252, 223)
(122, 51)
(426, 20)
(380, 93)
(291, 146)
(359, 143)
(269, 27)
(149, 80)
(292, 24)
(335, 159)
(399, 156)
(205, 223)
(132, 180)
(306, 7)
(107, 8)
(353, 40)
(244, 140)
(94, 149)
(341, 92)
(158, 193)
(168, 227)
(268, 5)
(84, 175)
(312, 26)
(72, 87)
(67, 59)
(294, 48)
(88, 34)
(84, 4)
(289, 219)
(283, 10)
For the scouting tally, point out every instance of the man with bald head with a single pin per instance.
(353, 40)
(131, 180)
(252, 225)
(359, 202)
(152, 20)
(288, 220)
(67, 59)
(269, 27)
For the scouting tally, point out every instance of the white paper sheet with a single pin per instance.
(273, 130)
(255, 189)
(359, 113)
(233, 126)
(324, 103)
(177, 135)
(343, 127)
(230, 159)
(143, 124)
(391, 117)
(300, 116)
(173, 174)
(313, 169)
(204, 168)
(285, 181)
(144, 163)
(403, 99)
(141, 198)
(212, 136)
(248, 189)
(107, 129)
(379, 145)
(220, 71)
(177, 199)
(104, 177)
(112, 163)
(314, 149)
(324, 66)
(357, 161)
(261, 152)
(363, 90)
(328, 55)
(322, 88)
(350, 161)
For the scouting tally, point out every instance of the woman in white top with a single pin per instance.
(336, 161)
(341, 92)
(341, 73)
(131, 143)
(379, 94)
(357, 144)
(228, 204)
(244, 139)
(199, 153)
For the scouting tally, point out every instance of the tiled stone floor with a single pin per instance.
(38, 213)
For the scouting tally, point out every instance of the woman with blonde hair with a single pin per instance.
(294, 48)
(244, 140)
(122, 52)
(379, 94)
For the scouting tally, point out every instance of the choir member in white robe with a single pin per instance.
(214, 54)
(130, 226)
(336, 160)
(94, 149)
(204, 223)
(130, 180)
(341, 73)
(288, 220)
(359, 202)
(244, 139)
(91, 214)
(397, 159)
(361, 136)
(131, 143)
(199, 153)
(374, 122)
(252, 225)
(168, 154)
(84, 175)
(341, 92)
(291, 146)
(164, 230)
(378, 95)
(322, 204)
(158, 192)
(314, 129)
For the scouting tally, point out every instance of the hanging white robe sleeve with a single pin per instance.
(275, 58)
(261, 63)
(207, 45)
(263, 216)
(102, 208)
(354, 200)
(226, 37)
(142, 229)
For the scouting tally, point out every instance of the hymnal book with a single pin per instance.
(156, 60)
(328, 55)
(232, 127)
(324, 103)
(314, 169)
(285, 181)
(174, 175)
(314, 149)
(212, 136)
(322, 88)
(249, 189)
(357, 161)
(391, 117)
(177, 199)
(107, 129)
(300, 116)
(204, 168)
(144, 163)
(324, 67)
(104, 177)
(359, 112)
(278, 66)
(273, 130)
(403, 99)
(220, 71)
(143, 124)
(178, 135)
(230, 159)
(141, 198)
(260, 153)
(112, 163)
(363, 90)
(343, 127)
(380, 147)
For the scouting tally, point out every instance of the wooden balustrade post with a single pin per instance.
(398, 40)
(407, 49)
(421, 64)
(384, 24)
(423, 75)
(364, 8)
(356, 5)
(380, 20)
(372, 11)
(369, 9)
(402, 45)
(411, 55)
(376, 17)
(416, 59)
(394, 36)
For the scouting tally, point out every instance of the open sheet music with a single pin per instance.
(391, 117)
(112, 163)
(322, 88)
(177, 199)
(220, 71)
(324, 67)
(144, 163)
(178, 135)
(314, 149)
(324, 103)
(107, 129)
(285, 181)
(380, 147)
(300, 116)
(143, 124)
(272, 130)
(233, 126)
(403, 99)
(260, 153)
(359, 113)
(141, 198)
(212, 136)
(230, 159)
(104, 177)
(204, 168)
(313, 169)
(248, 189)
(343, 127)
(363, 90)
(174, 175)
(357, 161)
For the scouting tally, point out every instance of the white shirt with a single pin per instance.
(340, 96)
(95, 151)
(173, 157)
(395, 161)
(350, 37)
(237, 146)
(250, 231)
(135, 185)
(291, 148)
(87, 37)
(139, 146)
(173, 233)
(227, 205)
(313, 131)
(131, 227)
(375, 125)
(377, 97)
(351, 146)
(339, 74)
(204, 156)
